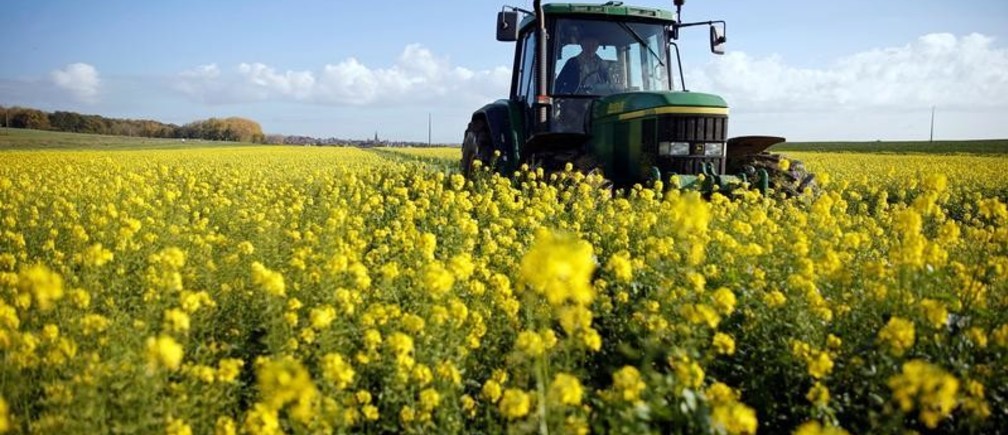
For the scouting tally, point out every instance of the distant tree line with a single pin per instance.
(233, 129)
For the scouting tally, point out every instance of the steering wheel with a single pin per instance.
(582, 88)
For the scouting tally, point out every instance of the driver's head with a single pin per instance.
(589, 44)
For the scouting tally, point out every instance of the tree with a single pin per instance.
(232, 129)
(67, 121)
(29, 118)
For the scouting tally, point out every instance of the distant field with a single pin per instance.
(20, 139)
(997, 146)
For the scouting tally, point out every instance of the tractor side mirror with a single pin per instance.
(717, 38)
(507, 26)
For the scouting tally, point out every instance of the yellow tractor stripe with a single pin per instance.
(674, 109)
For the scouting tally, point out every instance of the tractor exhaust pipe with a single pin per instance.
(544, 104)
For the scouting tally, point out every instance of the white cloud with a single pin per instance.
(960, 73)
(418, 76)
(80, 79)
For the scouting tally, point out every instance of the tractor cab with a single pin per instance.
(593, 58)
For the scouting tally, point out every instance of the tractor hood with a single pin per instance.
(641, 135)
(642, 104)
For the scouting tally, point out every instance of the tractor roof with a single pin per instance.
(619, 12)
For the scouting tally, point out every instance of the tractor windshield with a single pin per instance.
(594, 58)
(597, 58)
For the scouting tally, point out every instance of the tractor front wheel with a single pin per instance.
(477, 145)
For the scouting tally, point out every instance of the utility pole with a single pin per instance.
(428, 129)
(932, 124)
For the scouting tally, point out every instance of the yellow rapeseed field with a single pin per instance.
(280, 290)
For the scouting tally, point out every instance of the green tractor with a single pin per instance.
(593, 86)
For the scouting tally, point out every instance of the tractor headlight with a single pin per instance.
(714, 149)
(673, 148)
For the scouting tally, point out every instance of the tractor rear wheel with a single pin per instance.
(476, 145)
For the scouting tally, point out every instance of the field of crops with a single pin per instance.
(315, 290)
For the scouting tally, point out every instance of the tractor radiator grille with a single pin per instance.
(692, 128)
(695, 130)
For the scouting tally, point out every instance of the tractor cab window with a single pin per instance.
(593, 58)
(598, 58)
(526, 80)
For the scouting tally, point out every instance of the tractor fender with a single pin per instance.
(504, 120)
(740, 146)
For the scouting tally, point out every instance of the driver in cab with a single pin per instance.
(584, 71)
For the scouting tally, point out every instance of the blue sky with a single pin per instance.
(854, 70)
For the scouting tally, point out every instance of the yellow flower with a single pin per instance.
(620, 266)
(228, 369)
(164, 351)
(262, 420)
(282, 381)
(176, 320)
(322, 317)
(50, 332)
(272, 282)
(978, 336)
(926, 387)
(515, 403)
(897, 335)
(462, 266)
(224, 426)
(407, 414)
(816, 428)
(468, 405)
(688, 372)
(1000, 335)
(370, 412)
(559, 266)
(177, 427)
(422, 374)
(720, 392)
(724, 344)
(734, 418)
(628, 384)
(530, 343)
(833, 342)
(974, 401)
(45, 285)
(935, 312)
(401, 344)
(591, 339)
(429, 399)
(96, 255)
(446, 370)
(437, 280)
(820, 364)
(819, 395)
(566, 390)
(784, 164)
(491, 391)
(774, 299)
(5, 420)
(362, 397)
(701, 314)
(724, 300)
(337, 370)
